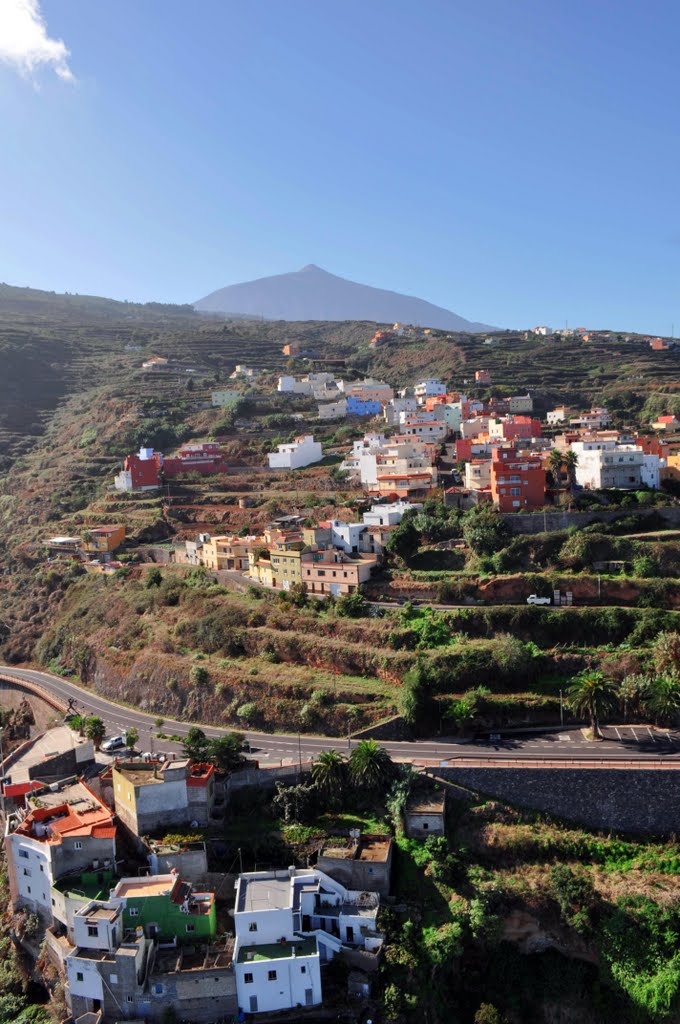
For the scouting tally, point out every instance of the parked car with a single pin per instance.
(115, 743)
(535, 599)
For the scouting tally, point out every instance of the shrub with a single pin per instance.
(248, 712)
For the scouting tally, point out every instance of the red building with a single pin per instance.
(517, 481)
(205, 459)
(520, 427)
(653, 446)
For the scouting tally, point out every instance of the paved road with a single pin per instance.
(622, 742)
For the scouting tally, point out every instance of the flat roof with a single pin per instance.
(52, 742)
(375, 848)
(145, 887)
(426, 805)
(278, 950)
(256, 894)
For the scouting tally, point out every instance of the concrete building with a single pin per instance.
(609, 464)
(332, 410)
(361, 862)
(124, 975)
(482, 376)
(303, 451)
(102, 540)
(287, 923)
(149, 796)
(140, 472)
(166, 908)
(335, 573)
(393, 409)
(478, 474)
(559, 414)
(229, 552)
(543, 331)
(427, 388)
(368, 390)
(517, 480)
(425, 813)
(389, 514)
(597, 419)
(69, 831)
(521, 404)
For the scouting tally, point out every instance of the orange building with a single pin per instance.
(103, 539)
(517, 481)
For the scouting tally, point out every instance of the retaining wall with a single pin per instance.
(539, 522)
(630, 799)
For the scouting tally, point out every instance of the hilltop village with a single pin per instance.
(341, 598)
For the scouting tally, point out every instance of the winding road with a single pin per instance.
(623, 744)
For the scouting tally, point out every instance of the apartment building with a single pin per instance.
(278, 564)
(606, 463)
(517, 480)
(597, 419)
(229, 552)
(102, 540)
(332, 410)
(303, 451)
(287, 923)
(389, 514)
(67, 831)
(427, 388)
(393, 409)
(333, 572)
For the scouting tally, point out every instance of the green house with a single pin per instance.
(167, 908)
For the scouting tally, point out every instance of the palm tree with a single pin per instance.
(663, 698)
(570, 463)
(370, 765)
(594, 695)
(329, 772)
(555, 461)
(95, 730)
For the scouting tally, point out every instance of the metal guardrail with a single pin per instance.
(527, 761)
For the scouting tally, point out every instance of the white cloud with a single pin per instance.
(24, 42)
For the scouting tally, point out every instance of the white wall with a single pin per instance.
(33, 870)
(90, 986)
(294, 976)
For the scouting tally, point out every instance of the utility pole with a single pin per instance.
(561, 708)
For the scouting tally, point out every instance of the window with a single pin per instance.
(134, 911)
(515, 491)
(130, 999)
(252, 927)
(79, 976)
(158, 989)
(271, 975)
(92, 930)
(321, 572)
(303, 969)
(191, 927)
(77, 845)
(515, 504)
(248, 978)
(426, 825)
(23, 853)
(27, 871)
(113, 979)
(28, 889)
(42, 868)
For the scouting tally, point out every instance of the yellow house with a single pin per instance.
(278, 567)
(229, 552)
(103, 539)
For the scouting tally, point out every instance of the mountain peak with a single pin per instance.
(313, 293)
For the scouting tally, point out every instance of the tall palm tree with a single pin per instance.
(594, 695)
(329, 772)
(370, 765)
(555, 460)
(570, 461)
(95, 730)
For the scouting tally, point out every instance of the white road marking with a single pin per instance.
(618, 733)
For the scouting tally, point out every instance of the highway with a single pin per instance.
(622, 743)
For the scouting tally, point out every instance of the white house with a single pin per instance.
(361, 462)
(303, 451)
(389, 514)
(597, 419)
(287, 923)
(346, 536)
(604, 463)
(69, 833)
(557, 415)
(544, 331)
(428, 388)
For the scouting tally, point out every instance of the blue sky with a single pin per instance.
(513, 160)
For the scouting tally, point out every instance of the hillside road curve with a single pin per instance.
(623, 743)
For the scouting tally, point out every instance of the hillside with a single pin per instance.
(315, 294)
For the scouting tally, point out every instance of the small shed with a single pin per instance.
(425, 813)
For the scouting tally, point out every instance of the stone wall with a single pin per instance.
(539, 522)
(642, 800)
